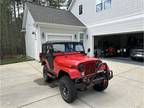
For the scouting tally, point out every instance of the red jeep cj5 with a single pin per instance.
(68, 63)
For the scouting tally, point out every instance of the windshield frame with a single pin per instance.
(68, 48)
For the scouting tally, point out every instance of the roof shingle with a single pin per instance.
(52, 15)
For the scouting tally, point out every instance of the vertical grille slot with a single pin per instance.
(90, 67)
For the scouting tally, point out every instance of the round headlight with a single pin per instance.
(81, 67)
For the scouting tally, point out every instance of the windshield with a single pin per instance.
(68, 47)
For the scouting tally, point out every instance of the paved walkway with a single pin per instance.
(22, 86)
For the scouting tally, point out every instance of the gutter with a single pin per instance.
(59, 25)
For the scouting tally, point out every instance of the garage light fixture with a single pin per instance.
(43, 35)
(87, 36)
(75, 36)
(33, 33)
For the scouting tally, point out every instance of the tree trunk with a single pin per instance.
(18, 9)
(14, 9)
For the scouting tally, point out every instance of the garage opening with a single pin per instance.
(118, 45)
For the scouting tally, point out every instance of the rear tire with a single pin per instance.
(67, 89)
(45, 74)
(101, 86)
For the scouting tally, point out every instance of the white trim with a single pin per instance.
(83, 36)
(24, 17)
(57, 34)
(70, 6)
(59, 25)
(118, 20)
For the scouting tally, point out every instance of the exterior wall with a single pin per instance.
(123, 16)
(119, 10)
(34, 41)
(60, 32)
(30, 37)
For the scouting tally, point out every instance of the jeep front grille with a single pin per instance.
(90, 67)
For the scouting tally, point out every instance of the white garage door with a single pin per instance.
(59, 38)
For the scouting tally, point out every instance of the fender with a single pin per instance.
(73, 73)
(46, 62)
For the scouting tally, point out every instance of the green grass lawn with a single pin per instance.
(14, 60)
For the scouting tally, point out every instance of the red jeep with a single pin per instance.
(68, 63)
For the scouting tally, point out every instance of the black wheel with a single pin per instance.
(45, 74)
(101, 86)
(67, 89)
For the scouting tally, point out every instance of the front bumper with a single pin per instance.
(88, 81)
(107, 74)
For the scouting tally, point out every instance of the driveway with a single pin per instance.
(22, 86)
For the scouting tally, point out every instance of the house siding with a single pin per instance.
(34, 41)
(123, 16)
(120, 9)
(69, 31)
(30, 38)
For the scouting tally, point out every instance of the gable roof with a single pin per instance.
(71, 4)
(51, 15)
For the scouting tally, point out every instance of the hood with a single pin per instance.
(73, 59)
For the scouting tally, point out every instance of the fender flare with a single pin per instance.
(73, 73)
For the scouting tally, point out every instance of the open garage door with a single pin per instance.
(117, 44)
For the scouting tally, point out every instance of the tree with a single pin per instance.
(11, 12)
(52, 3)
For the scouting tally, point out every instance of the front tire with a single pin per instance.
(101, 86)
(67, 89)
(45, 74)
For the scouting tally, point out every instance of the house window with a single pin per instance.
(102, 4)
(80, 9)
(81, 37)
(99, 5)
(107, 4)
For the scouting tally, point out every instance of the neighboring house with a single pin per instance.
(43, 24)
(95, 22)
(112, 21)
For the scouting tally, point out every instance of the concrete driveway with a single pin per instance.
(22, 86)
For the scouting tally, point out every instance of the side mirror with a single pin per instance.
(88, 50)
